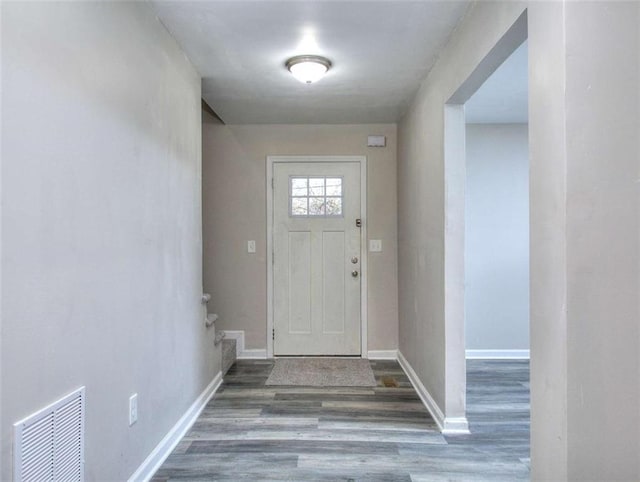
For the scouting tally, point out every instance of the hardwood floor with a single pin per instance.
(252, 432)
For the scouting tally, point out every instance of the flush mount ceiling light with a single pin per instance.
(308, 68)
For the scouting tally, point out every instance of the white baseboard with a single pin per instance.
(447, 425)
(237, 335)
(455, 425)
(260, 354)
(241, 352)
(382, 355)
(497, 354)
(159, 454)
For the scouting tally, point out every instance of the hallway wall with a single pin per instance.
(422, 215)
(584, 61)
(234, 211)
(101, 225)
(584, 70)
(497, 237)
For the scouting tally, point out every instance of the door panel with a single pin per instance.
(316, 297)
(333, 293)
(299, 282)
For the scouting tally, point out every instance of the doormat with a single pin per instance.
(322, 372)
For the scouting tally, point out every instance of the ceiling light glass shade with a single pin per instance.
(308, 68)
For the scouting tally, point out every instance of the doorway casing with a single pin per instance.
(362, 160)
(454, 221)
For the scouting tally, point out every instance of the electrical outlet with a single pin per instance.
(251, 246)
(133, 409)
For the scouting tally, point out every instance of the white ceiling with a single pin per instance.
(381, 51)
(503, 98)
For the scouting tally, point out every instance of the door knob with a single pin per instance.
(354, 274)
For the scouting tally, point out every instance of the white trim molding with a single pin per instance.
(271, 160)
(456, 426)
(238, 336)
(159, 454)
(383, 355)
(447, 425)
(259, 354)
(497, 354)
(241, 352)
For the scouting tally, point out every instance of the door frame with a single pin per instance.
(362, 160)
(455, 158)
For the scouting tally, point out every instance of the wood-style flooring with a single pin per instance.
(252, 432)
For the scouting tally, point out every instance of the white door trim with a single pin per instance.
(271, 160)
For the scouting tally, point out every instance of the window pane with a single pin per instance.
(298, 186)
(334, 186)
(299, 206)
(334, 206)
(316, 206)
(316, 186)
(316, 196)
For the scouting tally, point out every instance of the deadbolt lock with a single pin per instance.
(354, 260)
(359, 223)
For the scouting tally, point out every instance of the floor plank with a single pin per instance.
(252, 432)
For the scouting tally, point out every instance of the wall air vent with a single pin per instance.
(49, 445)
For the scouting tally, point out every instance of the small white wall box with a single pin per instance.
(375, 245)
(376, 141)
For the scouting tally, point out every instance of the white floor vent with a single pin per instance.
(49, 445)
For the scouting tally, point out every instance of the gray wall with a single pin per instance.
(1, 251)
(584, 122)
(437, 356)
(101, 225)
(234, 159)
(585, 157)
(497, 237)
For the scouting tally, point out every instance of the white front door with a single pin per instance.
(316, 266)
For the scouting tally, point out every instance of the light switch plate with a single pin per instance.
(251, 246)
(375, 245)
(133, 409)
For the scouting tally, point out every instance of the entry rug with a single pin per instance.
(322, 372)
